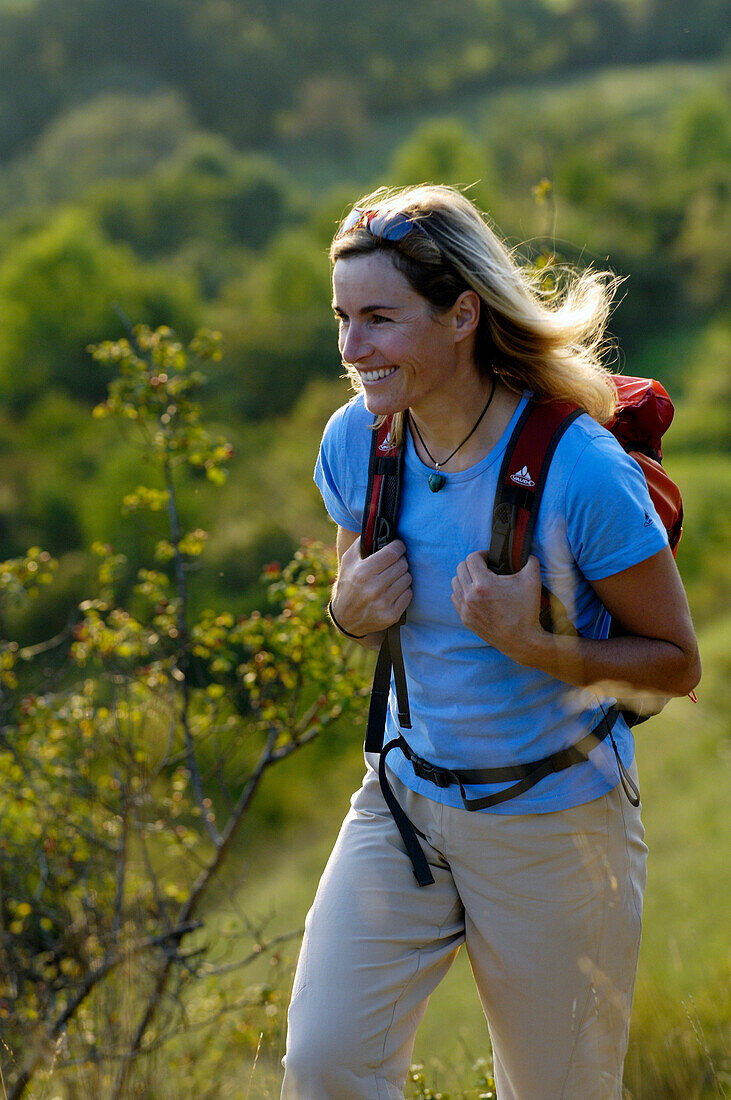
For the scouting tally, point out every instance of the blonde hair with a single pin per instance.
(550, 340)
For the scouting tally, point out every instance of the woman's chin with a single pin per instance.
(383, 408)
(383, 404)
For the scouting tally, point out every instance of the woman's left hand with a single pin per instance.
(656, 651)
(503, 611)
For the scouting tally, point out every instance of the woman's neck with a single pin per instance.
(450, 426)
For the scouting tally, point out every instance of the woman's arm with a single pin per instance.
(370, 593)
(658, 652)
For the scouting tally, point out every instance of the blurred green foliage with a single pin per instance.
(113, 136)
(58, 286)
(206, 192)
(251, 69)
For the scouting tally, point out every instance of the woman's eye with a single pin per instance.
(377, 319)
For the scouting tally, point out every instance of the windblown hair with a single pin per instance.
(551, 341)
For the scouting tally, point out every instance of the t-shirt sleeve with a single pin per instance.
(330, 475)
(611, 521)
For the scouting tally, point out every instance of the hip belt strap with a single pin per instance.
(521, 776)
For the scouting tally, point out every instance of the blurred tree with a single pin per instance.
(278, 327)
(330, 114)
(54, 56)
(702, 420)
(701, 248)
(583, 179)
(702, 132)
(243, 65)
(115, 135)
(443, 151)
(207, 192)
(701, 147)
(58, 287)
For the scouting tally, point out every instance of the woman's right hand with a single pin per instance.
(371, 593)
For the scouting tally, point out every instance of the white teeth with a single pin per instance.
(374, 375)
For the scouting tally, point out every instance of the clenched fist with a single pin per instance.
(371, 593)
(503, 611)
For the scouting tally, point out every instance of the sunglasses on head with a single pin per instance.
(388, 226)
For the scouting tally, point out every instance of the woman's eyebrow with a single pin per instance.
(367, 309)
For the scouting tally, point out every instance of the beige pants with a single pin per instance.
(549, 907)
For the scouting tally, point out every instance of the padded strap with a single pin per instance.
(521, 481)
(378, 528)
(385, 471)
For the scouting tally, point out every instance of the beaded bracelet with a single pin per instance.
(337, 625)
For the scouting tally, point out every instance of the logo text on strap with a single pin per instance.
(522, 477)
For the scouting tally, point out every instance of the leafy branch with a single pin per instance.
(124, 784)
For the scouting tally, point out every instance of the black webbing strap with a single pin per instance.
(414, 850)
(521, 776)
(389, 657)
(379, 699)
(385, 472)
(630, 788)
(393, 637)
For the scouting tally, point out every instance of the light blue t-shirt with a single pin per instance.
(471, 706)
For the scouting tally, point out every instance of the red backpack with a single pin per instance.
(643, 414)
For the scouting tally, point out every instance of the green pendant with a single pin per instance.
(436, 482)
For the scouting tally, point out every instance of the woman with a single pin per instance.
(438, 323)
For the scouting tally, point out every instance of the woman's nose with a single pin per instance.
(353, 345)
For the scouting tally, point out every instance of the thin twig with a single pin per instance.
(183, 657)
(27, 653)
(121, 868)
(2, 1082)
(256, 953)
(253, 1068)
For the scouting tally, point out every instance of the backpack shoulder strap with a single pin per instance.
(378, 528)
(383, 495)
(522, 479)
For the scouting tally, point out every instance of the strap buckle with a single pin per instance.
(440, 777)
(383, 533)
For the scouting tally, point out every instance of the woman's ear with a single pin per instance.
(466, 314)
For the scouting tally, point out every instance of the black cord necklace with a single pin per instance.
(437, 480)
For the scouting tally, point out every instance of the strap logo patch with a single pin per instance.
(522, 477)
(386, 445)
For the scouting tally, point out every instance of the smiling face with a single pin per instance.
(406, 355)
